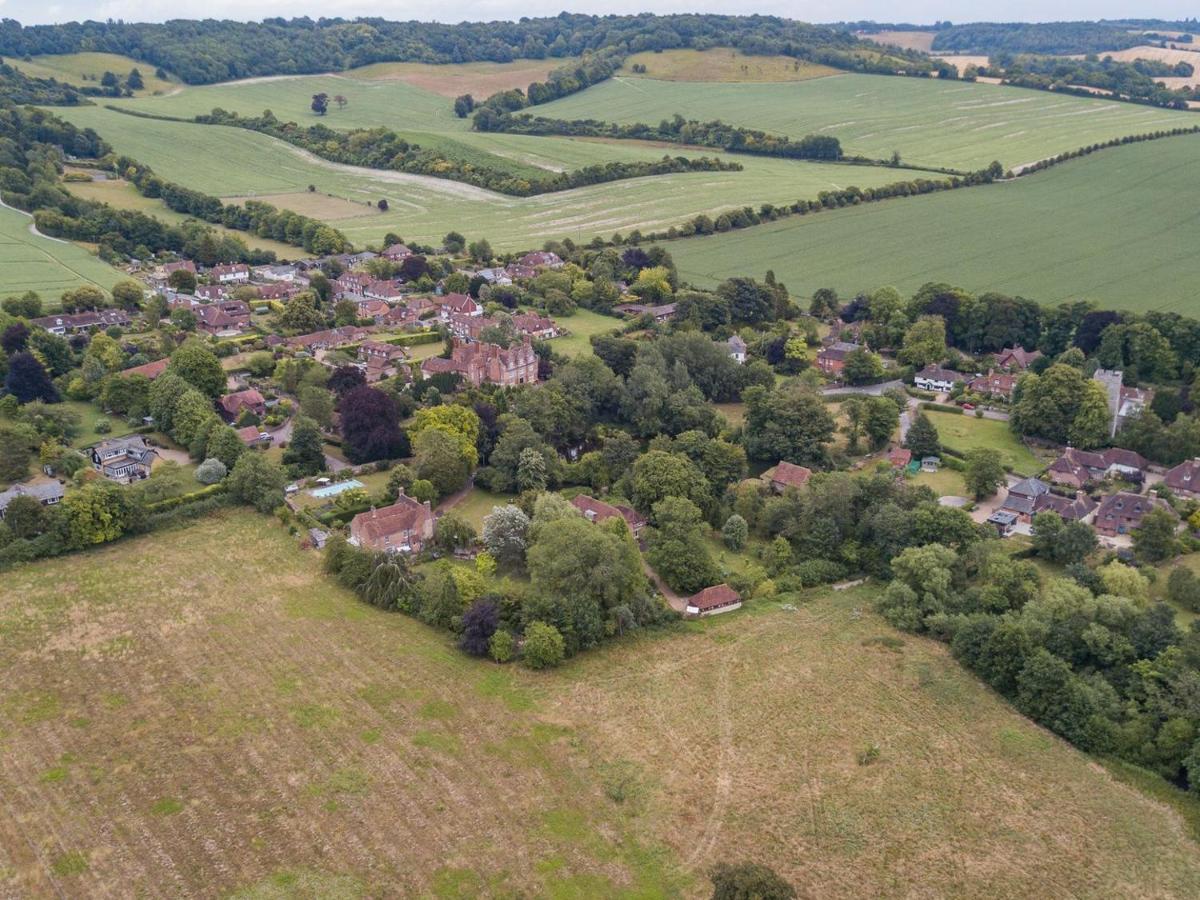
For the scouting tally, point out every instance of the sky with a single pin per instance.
(31, 12)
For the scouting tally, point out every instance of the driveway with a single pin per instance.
(866, 390)
(677, 603)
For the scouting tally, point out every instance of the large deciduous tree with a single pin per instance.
(371, 426)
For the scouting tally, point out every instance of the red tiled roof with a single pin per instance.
(791, 475)
(714, 597)
(1184, 477)
(403, 516)
(233, 403)
(600, 511)
(151, 369)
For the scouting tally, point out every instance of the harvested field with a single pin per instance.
(721, 64)
(905, 40)
(248, 725)
(962, 61)
(481, 79)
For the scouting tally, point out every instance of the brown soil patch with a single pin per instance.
(905, 40)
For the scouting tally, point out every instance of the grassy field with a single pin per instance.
(582, 325)
(477, 505)
(424, 209)
(86, 69)
(480, 79)
(721, 64)
(89, 414)
(264, 732)
(930, 122)
(944, 482)
(965, 433)
(1049, 236)
(30, 262)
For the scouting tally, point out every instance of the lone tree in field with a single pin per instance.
(984, 472)
(134, 80)
(340, 101)
(320, 104)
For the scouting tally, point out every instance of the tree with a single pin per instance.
(734, 532)
(198, 366)
(748, 881)
(459, 422)
(479, 623)
(824, 304)
(225, 445)
(183, 281)
(344, 379)
(922, 438)
(257, 481)
(438, 458)
(26, 517)
(128, 294)
(1048, 406)
(16, 450)
(454, 243)
(193, 411)
(480, 251)
(27, 380)
(677, 548)
(305, 453)
(862, 367)
(506, 535)
(464, 105)
(923, 586)
(1062, 542)
(544, 647)
(15, 338)
(502, 646)
(451, 532)
(1183, 587)
(320, 103)
(301, 314)
(211, 471)
(317, 404)
(1090, 427)
(984, 472)
(789, 423)
(1154, 540)
(659, 474)
(134, 81)
(97, 513)
(924, 342)
(531, 470)
(371, 426)
(749, 301)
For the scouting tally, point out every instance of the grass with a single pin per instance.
(86, 69)
(477, 505)
(325, 748)
(721, 64)
(1048, 236)
(930, 122)
(945, 482)
(30, 262)
(480, 79)
(582, 325)
(89, 414)
(965, 433)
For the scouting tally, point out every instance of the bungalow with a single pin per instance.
(47, 493)
(787, 475)
(535, 326)
(1184, 479)
(993, 384)
(935, 378)
(281, 290)
(542, 259)
(253, 436)
(832, 359)
(404, 527)
(125, 459)
(598, 511)
(331, 337)
(150, 370)
(87, 320)
(657, 313)
(1122, 512)
(1017, 359)
(712, 600)
(396, 252)
(228, 317)
(737, 349)
(231, 274)
(240, 401)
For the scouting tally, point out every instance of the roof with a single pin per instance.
(231, 403)
(251, 434)
(129, 442)
(1075, 509)
(1018, 356)
(1030, 487)
(937, 373)
(713, 597)
(600, 511)
(791, 475)
(41, 491)
(1119, 456)
(994, 383)
(839, 350)
(737, 344)
(403, 515)
(1184, 477)
(899, 456)
(150, 370)
(1002, 517)
(1126, 506)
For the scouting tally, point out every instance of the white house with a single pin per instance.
(936, 379)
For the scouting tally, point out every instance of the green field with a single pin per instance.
(30, 262)
(86, 69)
(424, 209)
(202, 711)
(965, 433)
(582, 325)
(1115, 227)
(937, 123)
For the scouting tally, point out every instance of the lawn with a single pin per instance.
(929, 122)
(86, 69)
(30, 262)
(945, 482)
(264, 731)
(965, 433)
(582, 325)
(89, 414)
(1051, 236)
(477, 505)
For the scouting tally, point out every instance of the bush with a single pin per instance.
(102, 426)
(501, 646)
(211, 471)
(544, 647)
(1183, 588)
(941, 407)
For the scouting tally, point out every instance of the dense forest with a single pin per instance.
(1136, 80)
(204, 52)
(1047, 37)
(18, 87)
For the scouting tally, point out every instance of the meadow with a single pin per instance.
(86, 70)
(48, 266)
(423, 208)
(260, 732)
(1114, 227)
(721, 64)
(929, 122)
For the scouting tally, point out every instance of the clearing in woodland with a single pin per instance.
(1113, 227)
(202, 711)
(721, 64)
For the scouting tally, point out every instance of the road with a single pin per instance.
(866, 390)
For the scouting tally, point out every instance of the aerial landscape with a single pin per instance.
(600, 454)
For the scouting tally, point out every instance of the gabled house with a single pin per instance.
(787, 475)
(352, 282)
(150, 370)
(1078, 468)
(832, 359)
(382, 290)
(936, 379)
(380, 360)
(542, 259)
(598, 511)
(538, 327)
(480, 363)
(1122, 512)
(737, 349)
(1017, 359)
(517, 271)
(396, 253)
(404, 527)
(1184, 479)
(994, 384)
(712, 600)
(1023, 497)
(88, 320)
(253, 436)
(124, 459)
(237, 273)
(456, 305)
(47, 493)
(1079, 509)
(226, 317)
(240, 401)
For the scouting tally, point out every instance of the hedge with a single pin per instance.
(942, 407)
(185, 499)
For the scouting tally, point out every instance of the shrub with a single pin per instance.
(1183, 587)
(102, 426)
(544, 647)
(500, 647)
(211, 471)
(869, 754)
(734, 532)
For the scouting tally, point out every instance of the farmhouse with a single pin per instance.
(832, 359)
(935, 378)
(1017, 359)
(46, 493)
(87, 320)
(487, 363)
(241, 401)
(1184, 479)
(712, 600)
(404, 527)
(125, 459)
(1122, 512)
(787, 475)
(598, 511)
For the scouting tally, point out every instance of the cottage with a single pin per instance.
(150, 370)
(994, 384)
(1077, 468)
(167, 269)
(242, 401)
(352, 283)
(537, 327)
(832, 359)
(787, 475)
(517, 271)
(456, 305)
(404, 527)
(1017, 359)
(598, 511)
(935, 378)
(1122, 512)
(396, 252)
(88, 320)
(125, 459)
(1184, 479)
(542, 259)
(47, 493)
(207, 293)
(737, 349)
(382, 290)
(480, 363)
(227, 317)
(719, 598)
(238, 273)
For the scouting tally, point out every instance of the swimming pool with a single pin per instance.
(332, 490)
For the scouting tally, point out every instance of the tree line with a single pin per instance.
(17, 87)
(1054, 38)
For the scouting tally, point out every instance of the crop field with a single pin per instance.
(480, 79)
(1114, 228)
(721, 64)
(260, 730)
(50, 267)
(86, 69)
(905, 40)
(936, 123)
(424, 208)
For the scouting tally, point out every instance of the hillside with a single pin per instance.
(1109, 228)
(264, 731)
(32, 262)
(86, 70)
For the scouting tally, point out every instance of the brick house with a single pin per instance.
(994, 384)
(832, 359)
(598, 511)
(223, 318)
(1017, 359)
(380, 360)
(787, 475)
(456, 305)
(1122, 512)
(396, 253)
(236, 403)
(404, 527)
(712, 600)
(1077, 468)
(535, 326)
(1184, 479)
(480, 363)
